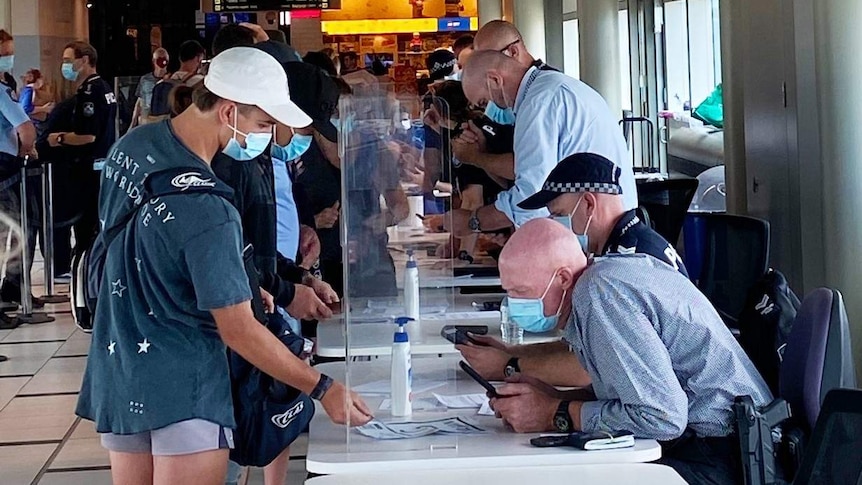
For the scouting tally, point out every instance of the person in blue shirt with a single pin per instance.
(17, 139)
(175, 293)
(564, 116)
(34, 82)
(659, 360)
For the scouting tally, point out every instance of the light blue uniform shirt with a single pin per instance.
(559, 116)
(12, 116)
(287, 223)
(660, 358)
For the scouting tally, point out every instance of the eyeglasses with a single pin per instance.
(509, 45)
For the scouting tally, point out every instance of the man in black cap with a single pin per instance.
(584, 194)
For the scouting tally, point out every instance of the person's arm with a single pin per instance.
(625, 348)
(136, 114)
(16, 117)
(536, 154)
(26, 100)
(502, 165)
(86, 122)
(550, 362)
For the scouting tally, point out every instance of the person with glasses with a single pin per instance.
(504, 37)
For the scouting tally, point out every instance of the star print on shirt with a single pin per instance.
(144, 347)
(118, 288)
(111, 348)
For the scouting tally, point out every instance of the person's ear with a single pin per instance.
(591, 202)
(226, 112)
(567, 278)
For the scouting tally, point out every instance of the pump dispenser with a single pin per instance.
(402, 373)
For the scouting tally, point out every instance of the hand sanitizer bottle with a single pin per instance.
(411, 296)
(401, 374)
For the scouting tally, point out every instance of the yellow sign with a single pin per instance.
(381, 26)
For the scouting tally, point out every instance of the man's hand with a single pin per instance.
(307, 306)
(260, 35)
(53, 139)
(309, 246)
(323, 291)
(268, 301)
(489, 362)
(525, 408)
(327, 218)
(460, 222)
(345, 407)
(466, 151)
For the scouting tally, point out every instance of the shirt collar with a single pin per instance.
(526, 82)
(624, 225)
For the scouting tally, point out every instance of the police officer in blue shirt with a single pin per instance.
(584, 194)
(17, 138)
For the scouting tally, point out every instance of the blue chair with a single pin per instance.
(817, 359)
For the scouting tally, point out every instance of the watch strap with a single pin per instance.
(322, 386)
(562, 420)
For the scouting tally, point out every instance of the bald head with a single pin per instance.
(532, 255)
(503, 37)
(491, 69)
(160, 52)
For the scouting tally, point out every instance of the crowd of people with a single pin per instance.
(228, 190)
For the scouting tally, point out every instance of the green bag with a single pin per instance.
(711, 111)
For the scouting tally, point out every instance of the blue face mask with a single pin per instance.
(298, 145)
(501, 116)
(583, 239)
(69, 72)
(529, 313)
(255, 144)
(7, 63)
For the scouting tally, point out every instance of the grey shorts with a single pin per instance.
(183, 438)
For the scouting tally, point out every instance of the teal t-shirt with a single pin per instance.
(156, 357)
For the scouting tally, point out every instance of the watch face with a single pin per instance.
(562, 424)
(510, 371)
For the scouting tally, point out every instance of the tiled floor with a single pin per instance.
(41, 439)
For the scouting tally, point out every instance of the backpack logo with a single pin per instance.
(284, 420)
(765, 307)
(191, 179)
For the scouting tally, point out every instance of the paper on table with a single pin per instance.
(393, 431)
(384, 387)
(464, 401)
(486, 410)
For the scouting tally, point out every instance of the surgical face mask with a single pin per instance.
(7, 63)
(529, 313)
(584, 238)
(501, 116)
(255, 143)
(69, 72)
(298, 145)
(161, 62)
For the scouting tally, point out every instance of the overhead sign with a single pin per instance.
(454, 24)
(257, 5)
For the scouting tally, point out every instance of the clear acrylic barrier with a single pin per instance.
(389, 209)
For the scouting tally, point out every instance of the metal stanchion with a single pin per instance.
(27, 315)
(48, 234)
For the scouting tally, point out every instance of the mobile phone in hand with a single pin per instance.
(492, 391)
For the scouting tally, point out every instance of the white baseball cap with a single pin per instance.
(251, 76)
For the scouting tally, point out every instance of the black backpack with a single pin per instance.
(160, 105)
(765, 323)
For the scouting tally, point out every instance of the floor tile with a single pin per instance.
(77, 344)
(61, 329)
(57, 376)
(27, 419)
(26, 359)
(9, 387)
(85, 429)
(99, 477)
(83, 453)
(21, 464)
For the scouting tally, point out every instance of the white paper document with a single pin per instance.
(421, 404)
(464, 401)
(396, 431)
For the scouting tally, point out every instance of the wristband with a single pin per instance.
(322, 386)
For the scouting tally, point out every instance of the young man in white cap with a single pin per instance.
(174, 290)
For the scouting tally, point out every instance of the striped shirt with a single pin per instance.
(660, 358)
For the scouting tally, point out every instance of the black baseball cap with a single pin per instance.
(581, 172)
(316, 94)
(440, 63)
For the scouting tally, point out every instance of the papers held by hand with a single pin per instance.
(396, 431)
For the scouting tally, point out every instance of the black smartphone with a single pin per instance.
(492, 391)
(457, 334)
(551, 441)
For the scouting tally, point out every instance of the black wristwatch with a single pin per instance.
(322, 386)
(512, 367)
(465, 256)
(60, 139)
(562, 420)
(473, 224)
